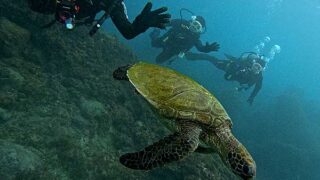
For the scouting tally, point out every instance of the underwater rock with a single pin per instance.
(12, 38)
(7, 99)
(91, 108)
(11, 77)
(58, 96)
(16, 160)
(4, 115)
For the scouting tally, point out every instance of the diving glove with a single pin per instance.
(149, 18)
(211, 47)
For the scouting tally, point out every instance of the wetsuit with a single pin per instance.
(235, 70)
(179, 39)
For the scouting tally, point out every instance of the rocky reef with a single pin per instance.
(62, 116)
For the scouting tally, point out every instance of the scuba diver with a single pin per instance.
(83, 12)
(247, 69)
(181, 37)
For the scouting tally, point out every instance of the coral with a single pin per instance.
(4, 115)
(13, 38)
(91, 108)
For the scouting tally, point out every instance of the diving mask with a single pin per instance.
(195, 26)
(256, 68)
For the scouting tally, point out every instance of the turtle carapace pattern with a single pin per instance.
(192, 113)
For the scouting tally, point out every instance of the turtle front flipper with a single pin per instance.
(172, 148)
(121, 73)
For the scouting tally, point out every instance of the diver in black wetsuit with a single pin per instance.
(182, 36)
(73, 12)
(247, 70)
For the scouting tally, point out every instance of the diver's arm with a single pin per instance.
(220, 64)
(120, 19)
(201, 47)
(256, 89)
(146, 19)
(208, 47)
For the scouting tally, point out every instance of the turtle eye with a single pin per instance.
(248, 171)
(245, 169)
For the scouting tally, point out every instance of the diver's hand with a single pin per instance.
(212, 47)
(250, 100)
(149, 18)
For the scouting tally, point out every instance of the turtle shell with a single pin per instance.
(175, 95)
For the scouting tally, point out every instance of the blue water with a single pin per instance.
(281, 128)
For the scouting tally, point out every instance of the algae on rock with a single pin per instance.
(17, 160)
(13, 38)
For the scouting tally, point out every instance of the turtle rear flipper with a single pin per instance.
(121, 73)
(172, 148)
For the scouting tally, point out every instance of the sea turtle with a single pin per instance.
(192, 113)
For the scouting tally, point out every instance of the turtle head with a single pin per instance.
(234, 155)
(240, 162)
